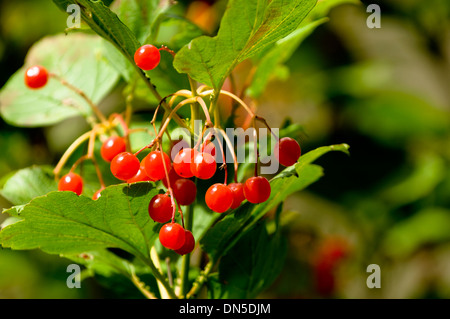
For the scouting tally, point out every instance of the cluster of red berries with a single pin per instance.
(187, 163)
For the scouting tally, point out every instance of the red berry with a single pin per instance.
(173, 177)
(257, 189)
(184, 191)
(182, 162)
(176, 147)
(111, 147)
(124, 166)
(203, 166)
(219, 198)
(71, 182)
(141, 176)
(147, 57)
(238, 194)
(160, 208)
(287, 151)
(189, 244)
(36, 77)
(209, 148)
(154, 165)
(97, 194)
(172, 236)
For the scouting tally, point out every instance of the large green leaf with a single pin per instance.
(64, 223)
(247, 27)
(280, 53)
(243, 278)
(77, 58)
(105, 23)
(29, 183)
(230, 229)
(428, 226)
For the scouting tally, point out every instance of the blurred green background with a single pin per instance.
(385, 92)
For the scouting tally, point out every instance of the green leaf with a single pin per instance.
(29, 183)
(247, 27)
(243, 278)
(220, 238)
(77, 58)
(429, 226)
(142, 17)
(64, 223)
(279, 54)
(105, 23)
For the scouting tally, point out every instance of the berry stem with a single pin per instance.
(94, 107)
(255, 141)
(233, 154)
(224, 160)
(80, 140)
(189, 218)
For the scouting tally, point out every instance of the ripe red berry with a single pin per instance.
(71, 182)
(238, 194)
(36, 77)
(177, 146)
(182, 162)
(154, 165)
(173, 177)
(147, 57)
(111, 147)
(189, 244)
(209, 148)
(203, 165)
(141, 176)
(219, 198)
(125, 165)
(172, 236)
(257, 189)
(184, 191)
(287, 151)
(160, 208)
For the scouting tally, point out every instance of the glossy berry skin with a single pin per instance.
(219, 198)
(124, 166)
(160, 208)
(111, 147)
(238, 194)
(71, 182)
(141, 176)
(36, 77)
(189, 244)
(203, 165)
(182, 162)
(173, 177)
(154, 165)
(209, 148)
(257, 189)
(288, 151)
(172, 236)
(147, 57)
(184, 191)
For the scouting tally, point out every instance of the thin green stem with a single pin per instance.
(159, 277)
(200, 281)
(186, 259)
